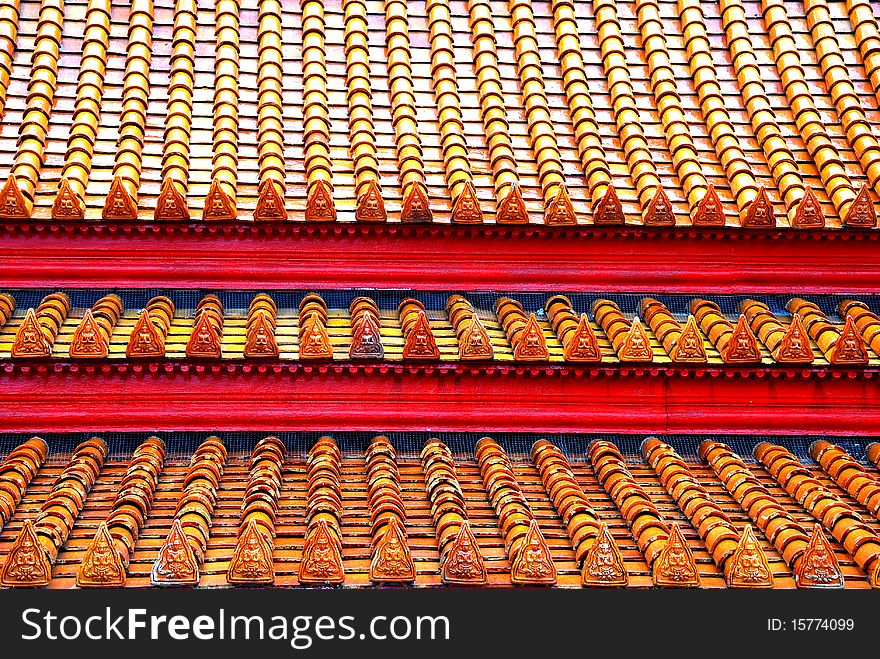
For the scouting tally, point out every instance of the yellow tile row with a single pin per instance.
(9, 11)
(270, 124)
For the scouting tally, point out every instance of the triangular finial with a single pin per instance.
(416, 207)
(12, 202)
(27, 564)
(809, 213)
(171, 204)
(219, 206)
(67, 204)
(609, 211)
(531, 346)
(603, 564)
(321, 557)
(659, 212)
(463, 564)
(560, 210)
(512, 209)
(709, 211)
(675, 566)
(370, 206)
(474, 342)
(420, 343)
(582, 345)
(466, 209)
(533, 564)
(313, 340)
(176, 564)
(636, 345)
(850, 346)
(319, 205)
(818, 567)
(203, 341)
(30, 341)
(689, 347)
(366, 339)
(742, 348)
(861, 212)
(88, 339)
(260, 341)
(251, 561)
(760, 214)
(270, 203)
(102, 565)
(392, 562)
(145, 339)
(748, 566)
(119, 205)
(794, 348)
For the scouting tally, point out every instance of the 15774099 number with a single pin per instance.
(811, 624)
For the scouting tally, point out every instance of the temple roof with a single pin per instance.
(729, 112)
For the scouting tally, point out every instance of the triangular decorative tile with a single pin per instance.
(29, 338)
(102, 565)
(743, 346)
(176, 563)
(560, 210)
(416, 207)
(675, 566)
(636, 345)
(532, 346)
(251, 561)
(818, 567)
(659, 212)
(464, 564)
(27, 564)
(145, 339)
(709, 213)
(760, 214)
(88, 341)
(512, 209)
(533, 564)
(850, 346)
(366, 340)
(203, 341)
(260, 341)
(583, 346)
(370, 206)
(794, 348)
(466, 209)
(474, 343)
(321, 558)
(609, 210)
(748, 566)
(420, 344)
(689, 348)
(219, 207)
(809, 213)
(12, 202)
(119, 205)
(171, 204)
(270, 203)
(392, 562)
(67, 204)
(313, 340)
(861, 212)
(603, 564)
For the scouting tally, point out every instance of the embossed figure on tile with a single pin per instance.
(176, 563)
(391, 559)
(29, 339)
(675, 566)
(102, 564)
(466, 209)
(849, 347)
(748, 565)
(252, 560)
(819, 567)
(464, 563)
(26, 563)
(370, 206)
(660, 210)
(533, 563)
(171, 205)
(603, 564)
(322, 561)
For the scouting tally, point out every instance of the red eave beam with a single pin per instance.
(434, 257)
(358, 398)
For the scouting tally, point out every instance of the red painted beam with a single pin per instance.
(342, 397)
(243, 255)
